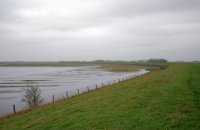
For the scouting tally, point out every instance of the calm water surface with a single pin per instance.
(52, 81)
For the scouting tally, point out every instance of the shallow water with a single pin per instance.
(52, 81)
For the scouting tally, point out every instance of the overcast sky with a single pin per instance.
(53, 30)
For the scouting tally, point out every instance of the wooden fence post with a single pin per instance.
(88, 89)
(53, 98)
(78, 91)
(14, 111)
(96, 86)
(67, 94)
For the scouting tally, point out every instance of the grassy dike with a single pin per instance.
(162, 99)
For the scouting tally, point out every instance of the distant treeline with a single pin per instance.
(157, 60)
(75, 63)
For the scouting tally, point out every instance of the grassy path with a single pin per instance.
(164, 99)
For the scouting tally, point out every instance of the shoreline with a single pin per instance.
(79, 93)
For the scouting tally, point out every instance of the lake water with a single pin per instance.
(52, 81)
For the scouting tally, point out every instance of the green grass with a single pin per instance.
(162, 99)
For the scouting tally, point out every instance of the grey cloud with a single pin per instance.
(106, 29)
(142, 7)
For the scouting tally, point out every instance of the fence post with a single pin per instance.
(78, 91)
(114, 81)
(14, 111)
(96, 86)
(102, 84)
(88, 89)
(53, 98)
(67, 94)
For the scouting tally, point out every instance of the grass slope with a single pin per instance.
(164, 99)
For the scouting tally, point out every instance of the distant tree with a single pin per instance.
(32, 95)
(157, 60)
(99, 61)
(196, 61)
